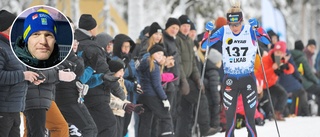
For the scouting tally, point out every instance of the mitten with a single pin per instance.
(209, 26)
(254, 22)
(66, 76)
(128, 107)
(109, 77)
(166, 104)
(139, 109)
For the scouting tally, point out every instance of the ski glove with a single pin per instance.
(166, 104)
(109, 77)
(66, 76)
(209, 26)
(138, 109)
(128, 107)
(254, 22)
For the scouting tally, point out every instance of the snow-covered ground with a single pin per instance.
(292, 127)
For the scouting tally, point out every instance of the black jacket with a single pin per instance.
(94, 57)
(40, 96)
(212, 82)
(92, 54)
(12, 83)
(21, 50)
(67, 92)
(172, 50)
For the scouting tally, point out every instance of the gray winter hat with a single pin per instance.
(103, 39)
(214, 56)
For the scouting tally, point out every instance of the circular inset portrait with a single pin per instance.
(41, 37)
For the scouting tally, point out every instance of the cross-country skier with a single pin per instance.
(239, 52)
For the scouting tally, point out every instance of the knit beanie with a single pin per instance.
(220, 22)
(116, 65)
(214, 56)
(192, 26)
(280, 45)
(87, 22)
(6, 20)
(298, 45)
(172, 21)
(146, 30)
(154, 28)
(38, 21)
(103, 39)
(155, 48)
(311, 41)
(184, 19)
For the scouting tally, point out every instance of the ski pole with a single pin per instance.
(201, 84)
(265, 79)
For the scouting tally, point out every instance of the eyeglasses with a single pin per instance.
(234, 24)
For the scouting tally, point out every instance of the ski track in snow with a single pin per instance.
(292, 127)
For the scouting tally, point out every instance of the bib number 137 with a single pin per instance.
(236, 51)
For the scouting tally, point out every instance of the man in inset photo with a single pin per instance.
(37, 47)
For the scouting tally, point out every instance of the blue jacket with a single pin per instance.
(291, 82)
(151, 81)
(13, 86)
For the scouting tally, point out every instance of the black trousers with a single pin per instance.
(279, 97)
(120, 126)
(303, 108)
(78, 115)
(154, 108)
(102, 115)
(36, 122)
(231, 88)
(10, 124)
(184, 121)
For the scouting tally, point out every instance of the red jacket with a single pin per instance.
(272, 77)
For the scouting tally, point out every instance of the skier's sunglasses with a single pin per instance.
(234, 24)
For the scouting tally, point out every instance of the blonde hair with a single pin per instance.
(235, 6)
(151, 64)
(152, 42)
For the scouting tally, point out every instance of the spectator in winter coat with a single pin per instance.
(155, 36)
(154, 99)
(13, 81)
(274, 38)
(38, 48)
(295, 91)
(69, 97)
(275, 64)
(118, 106)
(188, 70)
(309, 80)
(94, 57)
(122, 48)
(105, 41)
(172, 88)
(213, 86)
(309, 52)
